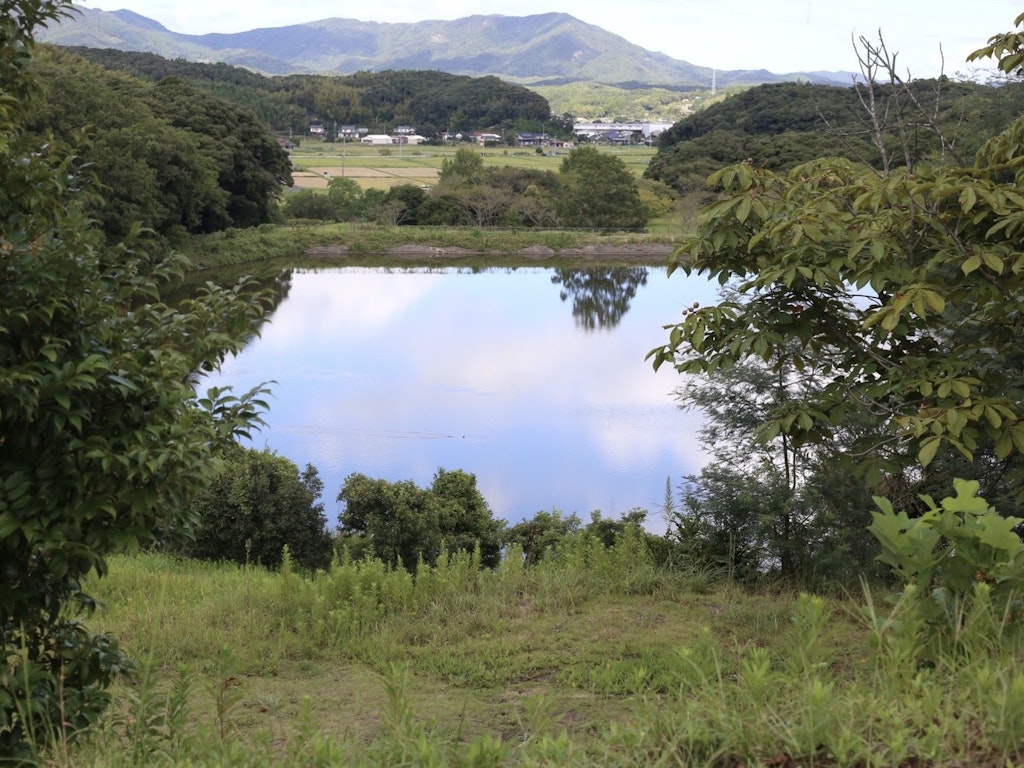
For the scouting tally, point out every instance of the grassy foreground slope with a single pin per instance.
(595, 657)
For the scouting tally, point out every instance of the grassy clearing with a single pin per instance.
(594, 658)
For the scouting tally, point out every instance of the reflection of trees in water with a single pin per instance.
(600, 297)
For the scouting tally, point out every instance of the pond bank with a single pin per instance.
(642, 251)
(349, 242)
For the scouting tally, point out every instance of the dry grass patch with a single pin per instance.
(318, 177)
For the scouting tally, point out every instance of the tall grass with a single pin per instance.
(593, 657)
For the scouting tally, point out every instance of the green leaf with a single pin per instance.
(968, 199)
(8, 525)
(743, 209)
(993, 262)
(960, 387)
(928, 449)
(998, 532)
(935, 301)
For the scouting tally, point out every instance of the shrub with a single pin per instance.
(258, 505)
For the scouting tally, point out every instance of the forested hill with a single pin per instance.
(429, 100)
(168, 155)
(782, 125)
(525, 49)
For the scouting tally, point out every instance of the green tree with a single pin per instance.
(723, 518)
(399, 520)
(347, 197)
(408, 199)
(149, 171)
(542, 532)
(769, 506)
(443, 206)
(308, 204)
(405, 524)
(609, 530)
(598, 190)
(251, 167)
(257, 505)
(465, 166)
(102, 440)
(902, 288)
(781, 125)
(485, 205)
(465, 520)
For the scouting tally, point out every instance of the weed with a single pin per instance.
(564, 663)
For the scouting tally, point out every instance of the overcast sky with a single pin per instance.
(778, 35)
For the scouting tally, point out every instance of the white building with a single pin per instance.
(642, 130)
(376, 138)
(410, 138)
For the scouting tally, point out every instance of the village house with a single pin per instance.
(532, 140)
(351, 132)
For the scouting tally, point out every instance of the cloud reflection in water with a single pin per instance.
(394, 374)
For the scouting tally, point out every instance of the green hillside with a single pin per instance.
(379, 101)
(782, 125)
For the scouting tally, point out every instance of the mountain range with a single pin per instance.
(540, 49)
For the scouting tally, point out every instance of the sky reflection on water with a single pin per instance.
(395, 374)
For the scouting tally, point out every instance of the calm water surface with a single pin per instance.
(532, 379)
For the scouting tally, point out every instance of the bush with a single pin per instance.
(101, 441)
(258, 505)
(958, 553)
(406, 525)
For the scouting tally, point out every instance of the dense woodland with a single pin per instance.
(429, 100)
(166, 155)
(782, 125)
(186, 148)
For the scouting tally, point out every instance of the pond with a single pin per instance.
(533, 379)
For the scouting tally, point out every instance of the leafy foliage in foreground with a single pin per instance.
(901, 289)
(956, 555)
(101, 438)
(869, 323)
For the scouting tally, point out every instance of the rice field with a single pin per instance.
(375, 167)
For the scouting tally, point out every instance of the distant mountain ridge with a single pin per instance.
(523, 49)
